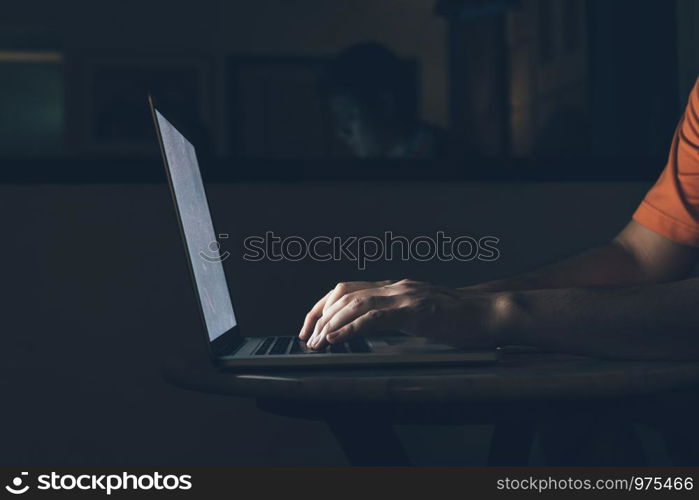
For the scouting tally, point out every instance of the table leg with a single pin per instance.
(368, 443)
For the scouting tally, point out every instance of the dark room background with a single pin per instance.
(559, 115)
(507, 79)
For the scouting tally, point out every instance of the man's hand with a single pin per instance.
(456, 317)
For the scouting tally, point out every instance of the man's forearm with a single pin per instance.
(646, 322)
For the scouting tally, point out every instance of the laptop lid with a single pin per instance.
(200, 242)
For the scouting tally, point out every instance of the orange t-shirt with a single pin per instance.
(671, 207)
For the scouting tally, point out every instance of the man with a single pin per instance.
(372, 97)
(629, 298)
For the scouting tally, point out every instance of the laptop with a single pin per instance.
(227, 345)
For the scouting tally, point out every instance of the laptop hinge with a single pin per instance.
(235, 344)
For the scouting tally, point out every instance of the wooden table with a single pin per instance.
(361, 406)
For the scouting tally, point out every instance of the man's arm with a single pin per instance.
(636, 256)
(658, 321)
(638, 315)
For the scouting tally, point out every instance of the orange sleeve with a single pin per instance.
(671, 207)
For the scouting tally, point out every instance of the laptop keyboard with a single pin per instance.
(282, 345)
(264, 347)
